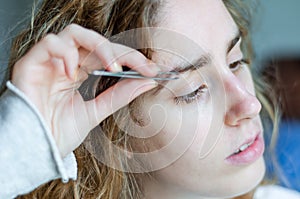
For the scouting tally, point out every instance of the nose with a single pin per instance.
(242, 104)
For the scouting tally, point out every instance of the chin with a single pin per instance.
(248, 178)
(241, 181)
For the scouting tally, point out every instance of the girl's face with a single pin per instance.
(205, 126)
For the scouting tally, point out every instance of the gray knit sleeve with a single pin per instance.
(29, 156)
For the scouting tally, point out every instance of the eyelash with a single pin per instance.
(195, 95)
(235, 66)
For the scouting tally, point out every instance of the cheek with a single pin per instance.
(175, 129)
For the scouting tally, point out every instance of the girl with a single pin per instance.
(199, 136)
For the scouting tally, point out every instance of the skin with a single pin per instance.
(202, 133)
(50, 73)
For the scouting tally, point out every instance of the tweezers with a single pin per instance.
(161, 76)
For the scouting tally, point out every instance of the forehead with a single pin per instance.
(206, 23)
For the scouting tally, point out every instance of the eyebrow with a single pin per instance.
(205, 59)
(234, 41)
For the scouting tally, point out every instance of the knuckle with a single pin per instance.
(72, 28)
(138, 54)
(49, 39)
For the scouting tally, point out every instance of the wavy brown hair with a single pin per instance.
(107, 17)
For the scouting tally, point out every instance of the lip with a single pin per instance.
(249, 155)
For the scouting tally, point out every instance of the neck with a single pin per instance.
(154, 189)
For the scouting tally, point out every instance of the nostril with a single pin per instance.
(230, 120)
(241, 102)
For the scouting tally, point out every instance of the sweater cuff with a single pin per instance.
(67, 167)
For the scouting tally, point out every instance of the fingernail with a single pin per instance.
(117, 67)
(153, 83)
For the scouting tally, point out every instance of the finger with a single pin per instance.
(116, 97)
(89, 61)
(134, 60)
(125, 55)
(78, 36)
(129, 57)
(112, 56)
(51, 47)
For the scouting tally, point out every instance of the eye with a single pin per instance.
(235, 66)
(193, 96)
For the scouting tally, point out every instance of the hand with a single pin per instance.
(49, 71)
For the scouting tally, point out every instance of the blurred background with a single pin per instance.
(276, 38)
(14, 15)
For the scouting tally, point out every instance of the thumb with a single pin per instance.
(115, 98)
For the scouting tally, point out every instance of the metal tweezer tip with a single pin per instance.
(161, 76)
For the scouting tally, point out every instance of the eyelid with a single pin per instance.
(235, 54)
(187, 89)
(192, 96)
(239, 64)
(191, 83)
(237, 45)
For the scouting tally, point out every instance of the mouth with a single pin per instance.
(248, 152)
